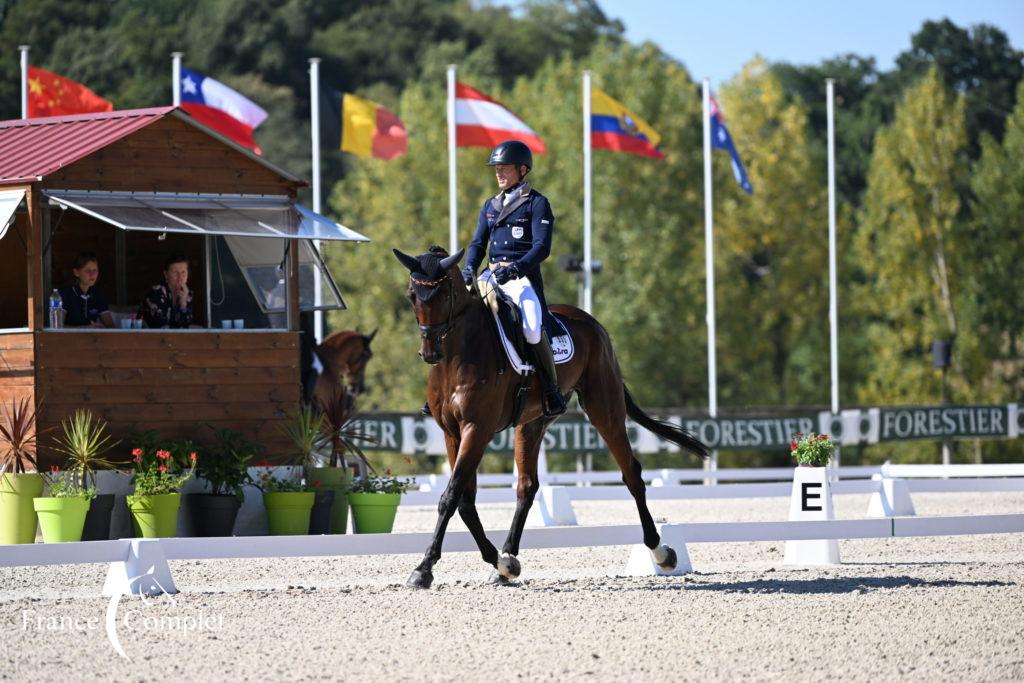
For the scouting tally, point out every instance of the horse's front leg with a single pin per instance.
(528, 441)
(471, 449)
(467, 507)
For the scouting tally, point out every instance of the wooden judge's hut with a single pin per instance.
(136, 187)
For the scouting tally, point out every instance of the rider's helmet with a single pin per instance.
(511, 152)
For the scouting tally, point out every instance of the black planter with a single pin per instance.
(320, 517)
(97, 520)
(212, 514)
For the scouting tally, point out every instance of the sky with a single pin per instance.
(714, 38)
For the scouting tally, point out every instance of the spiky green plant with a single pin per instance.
(84, 441)
(306, 432)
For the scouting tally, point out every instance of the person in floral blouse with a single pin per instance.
(169, 304)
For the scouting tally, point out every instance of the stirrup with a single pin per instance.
(425, 410)
(553, 404)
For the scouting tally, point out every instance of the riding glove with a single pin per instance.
(468, 275)
(503, 274)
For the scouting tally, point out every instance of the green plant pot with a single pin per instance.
(17, 516)
(335, 479)
(288, 513)
(61, 519)
(155, 516)
(374, 513)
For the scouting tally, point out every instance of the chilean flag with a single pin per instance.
(483, 122)
(219, 107)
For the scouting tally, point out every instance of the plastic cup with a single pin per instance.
(137, 323)
(226, 324)
(239, 324)
(126, 324)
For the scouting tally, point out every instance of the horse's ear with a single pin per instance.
(369, 337)
(411, 263)
(448, 261)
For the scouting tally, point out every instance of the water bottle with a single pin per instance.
(56, 311)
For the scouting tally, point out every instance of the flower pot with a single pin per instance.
(320, 515)
(212, 514)
(374, 513)
(61, 519)
(97, 520)
(335, 479)
(288, 512)
(155, 516)
(17, 516)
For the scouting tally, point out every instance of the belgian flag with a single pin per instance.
(356, 125)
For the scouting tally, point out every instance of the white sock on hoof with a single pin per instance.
(660, 554)
(506, 563)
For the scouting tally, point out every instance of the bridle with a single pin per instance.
(439, 331)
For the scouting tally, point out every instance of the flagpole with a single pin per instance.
(453, 206)
(833, 305)
(176, 77)
(314, 127)
(24, 80)
(587, 205)
(709, 264)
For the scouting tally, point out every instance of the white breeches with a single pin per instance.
(521, 292)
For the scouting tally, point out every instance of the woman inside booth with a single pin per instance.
(83, 303)
(169, 305)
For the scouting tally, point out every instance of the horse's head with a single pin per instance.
(345, 355)
(357, 364)
(436, 293)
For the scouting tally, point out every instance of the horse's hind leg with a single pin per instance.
(527, 449)
(606, 408)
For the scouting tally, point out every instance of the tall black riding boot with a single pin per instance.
(425, 410)
(554, 402)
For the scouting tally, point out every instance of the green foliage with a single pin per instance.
(161, 466)
(294, 483)
(811, 450)
(84, 441)
(68, 485)
(380, 484)
(226, 465)
(305, 432)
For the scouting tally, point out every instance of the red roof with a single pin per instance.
(33, 148)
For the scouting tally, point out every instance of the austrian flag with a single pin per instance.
(219, 107)
(483, 122)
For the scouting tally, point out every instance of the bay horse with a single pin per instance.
(344, 355)
(471, 401)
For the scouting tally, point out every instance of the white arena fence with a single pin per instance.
(140, 566)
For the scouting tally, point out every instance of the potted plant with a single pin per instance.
(62, 514)
(306, 434)
(374, 500)
(158, 479)
(84, 440)
(288, 501)
(811, 450)
(226, 468)
(20, 480)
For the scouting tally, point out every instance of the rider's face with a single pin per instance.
(508, 176)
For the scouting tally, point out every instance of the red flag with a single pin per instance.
(53, 95)
(483, 122)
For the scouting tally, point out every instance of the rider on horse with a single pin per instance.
(517, 224)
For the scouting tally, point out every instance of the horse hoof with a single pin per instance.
(508, 566)
(664, 557)
(497, 579)
(420, 579)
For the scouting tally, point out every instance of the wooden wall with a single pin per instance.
(170, 156)
(173, 382)
(17, 367)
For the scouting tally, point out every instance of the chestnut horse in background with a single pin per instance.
(471, 401)
(344, 355)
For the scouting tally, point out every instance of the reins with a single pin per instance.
(427, 331)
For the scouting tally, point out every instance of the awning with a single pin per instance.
(206, 214)
(262, 263)
(9, 201)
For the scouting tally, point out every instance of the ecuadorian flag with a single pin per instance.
(614, 127)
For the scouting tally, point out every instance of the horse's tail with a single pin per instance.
(665, 430)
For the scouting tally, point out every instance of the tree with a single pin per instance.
(910, 246)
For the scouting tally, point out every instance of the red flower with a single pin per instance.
(316, 484)
(798, 434)
(137, 452)
(162, 469)
(163, 455)
(54, 468)
(792, 445)
(192, 456)
(823, 436)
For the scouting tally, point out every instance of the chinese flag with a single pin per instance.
(53, 95)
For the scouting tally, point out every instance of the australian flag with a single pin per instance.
(721, 139)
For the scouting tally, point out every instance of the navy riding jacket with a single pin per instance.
(519, 232)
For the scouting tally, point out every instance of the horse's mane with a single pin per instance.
(335, 340)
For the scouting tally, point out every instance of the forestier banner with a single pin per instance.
(943, 422)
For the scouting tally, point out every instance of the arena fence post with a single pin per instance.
(811, 499)
(143, 572)
(892, 499)
(641, 563)
(552, 507)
